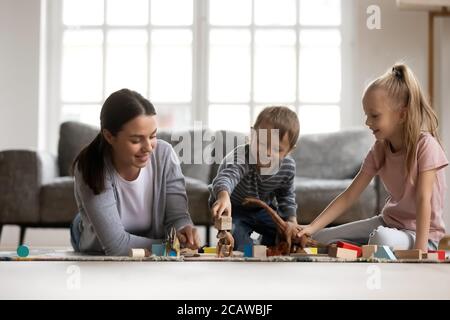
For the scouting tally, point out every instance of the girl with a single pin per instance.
(408, 158)
(128, 187)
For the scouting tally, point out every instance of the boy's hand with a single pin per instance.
(189, 237)
(222, 205)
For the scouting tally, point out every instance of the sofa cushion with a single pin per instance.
(198, 194)
(314, 195)
(73, 137)
(192, 146)
(336, 155)
(57, 201)
(225, 141)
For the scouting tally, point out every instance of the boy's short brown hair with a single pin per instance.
(283, 119)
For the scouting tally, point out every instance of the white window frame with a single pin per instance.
(200, 55)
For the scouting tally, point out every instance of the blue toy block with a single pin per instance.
(384, 252)
(158, 250)
(248, 250)
(172, 253)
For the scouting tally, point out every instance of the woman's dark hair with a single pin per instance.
(119, 108)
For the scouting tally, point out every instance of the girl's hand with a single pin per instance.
(188, 236)
(305, 230)
(222, 205)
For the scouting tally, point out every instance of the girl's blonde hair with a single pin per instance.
(404, 89)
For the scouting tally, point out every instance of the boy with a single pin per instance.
(262, 169)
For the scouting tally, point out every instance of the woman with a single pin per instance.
(128, 186)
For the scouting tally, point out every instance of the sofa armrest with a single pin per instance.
(22, 173)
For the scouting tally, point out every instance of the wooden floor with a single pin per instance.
(212, 280)
(228, 280)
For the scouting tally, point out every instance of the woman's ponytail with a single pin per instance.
(91, 164)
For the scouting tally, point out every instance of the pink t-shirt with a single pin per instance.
(400, 208)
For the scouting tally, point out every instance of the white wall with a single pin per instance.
(19, 73)
(403, 36)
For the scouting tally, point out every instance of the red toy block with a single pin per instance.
(346, 245)
(441, 253)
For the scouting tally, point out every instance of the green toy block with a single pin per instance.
(384, 252)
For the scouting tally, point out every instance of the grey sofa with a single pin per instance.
(36, 189)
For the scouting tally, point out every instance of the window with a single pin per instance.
(220, 61)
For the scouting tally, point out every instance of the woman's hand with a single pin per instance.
(188, 236)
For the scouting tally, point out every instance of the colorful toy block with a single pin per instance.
(384, 252)
(310, 250)
(209, 250)
(343, 253)
(248, 250)
(368, 251)
(409, 254)
(158, 249)
(223, 223)
(345, 245)
(139, 253)
(173, 253)
(259, 251)
(436, 254)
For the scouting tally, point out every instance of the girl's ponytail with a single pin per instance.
(420, 116)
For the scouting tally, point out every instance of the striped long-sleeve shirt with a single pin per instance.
(241, 179)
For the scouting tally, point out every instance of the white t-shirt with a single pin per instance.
(135, 200)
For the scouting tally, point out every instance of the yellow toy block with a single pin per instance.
(209, 250)
(311, 250)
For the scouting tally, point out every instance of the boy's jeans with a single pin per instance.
(246, 220)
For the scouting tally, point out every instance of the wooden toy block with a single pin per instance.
(158, 249)
(434, 255)
(209, 250)
(223, 223)
(259, 251)
(322, 250)
(139, 253)
(431, 256)
(337, 252)
(409, 254)
(248, 250)
(345, 245)
(368, 251)
(438, 254)
(444, 244)
(311, 250)
(384, 252)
